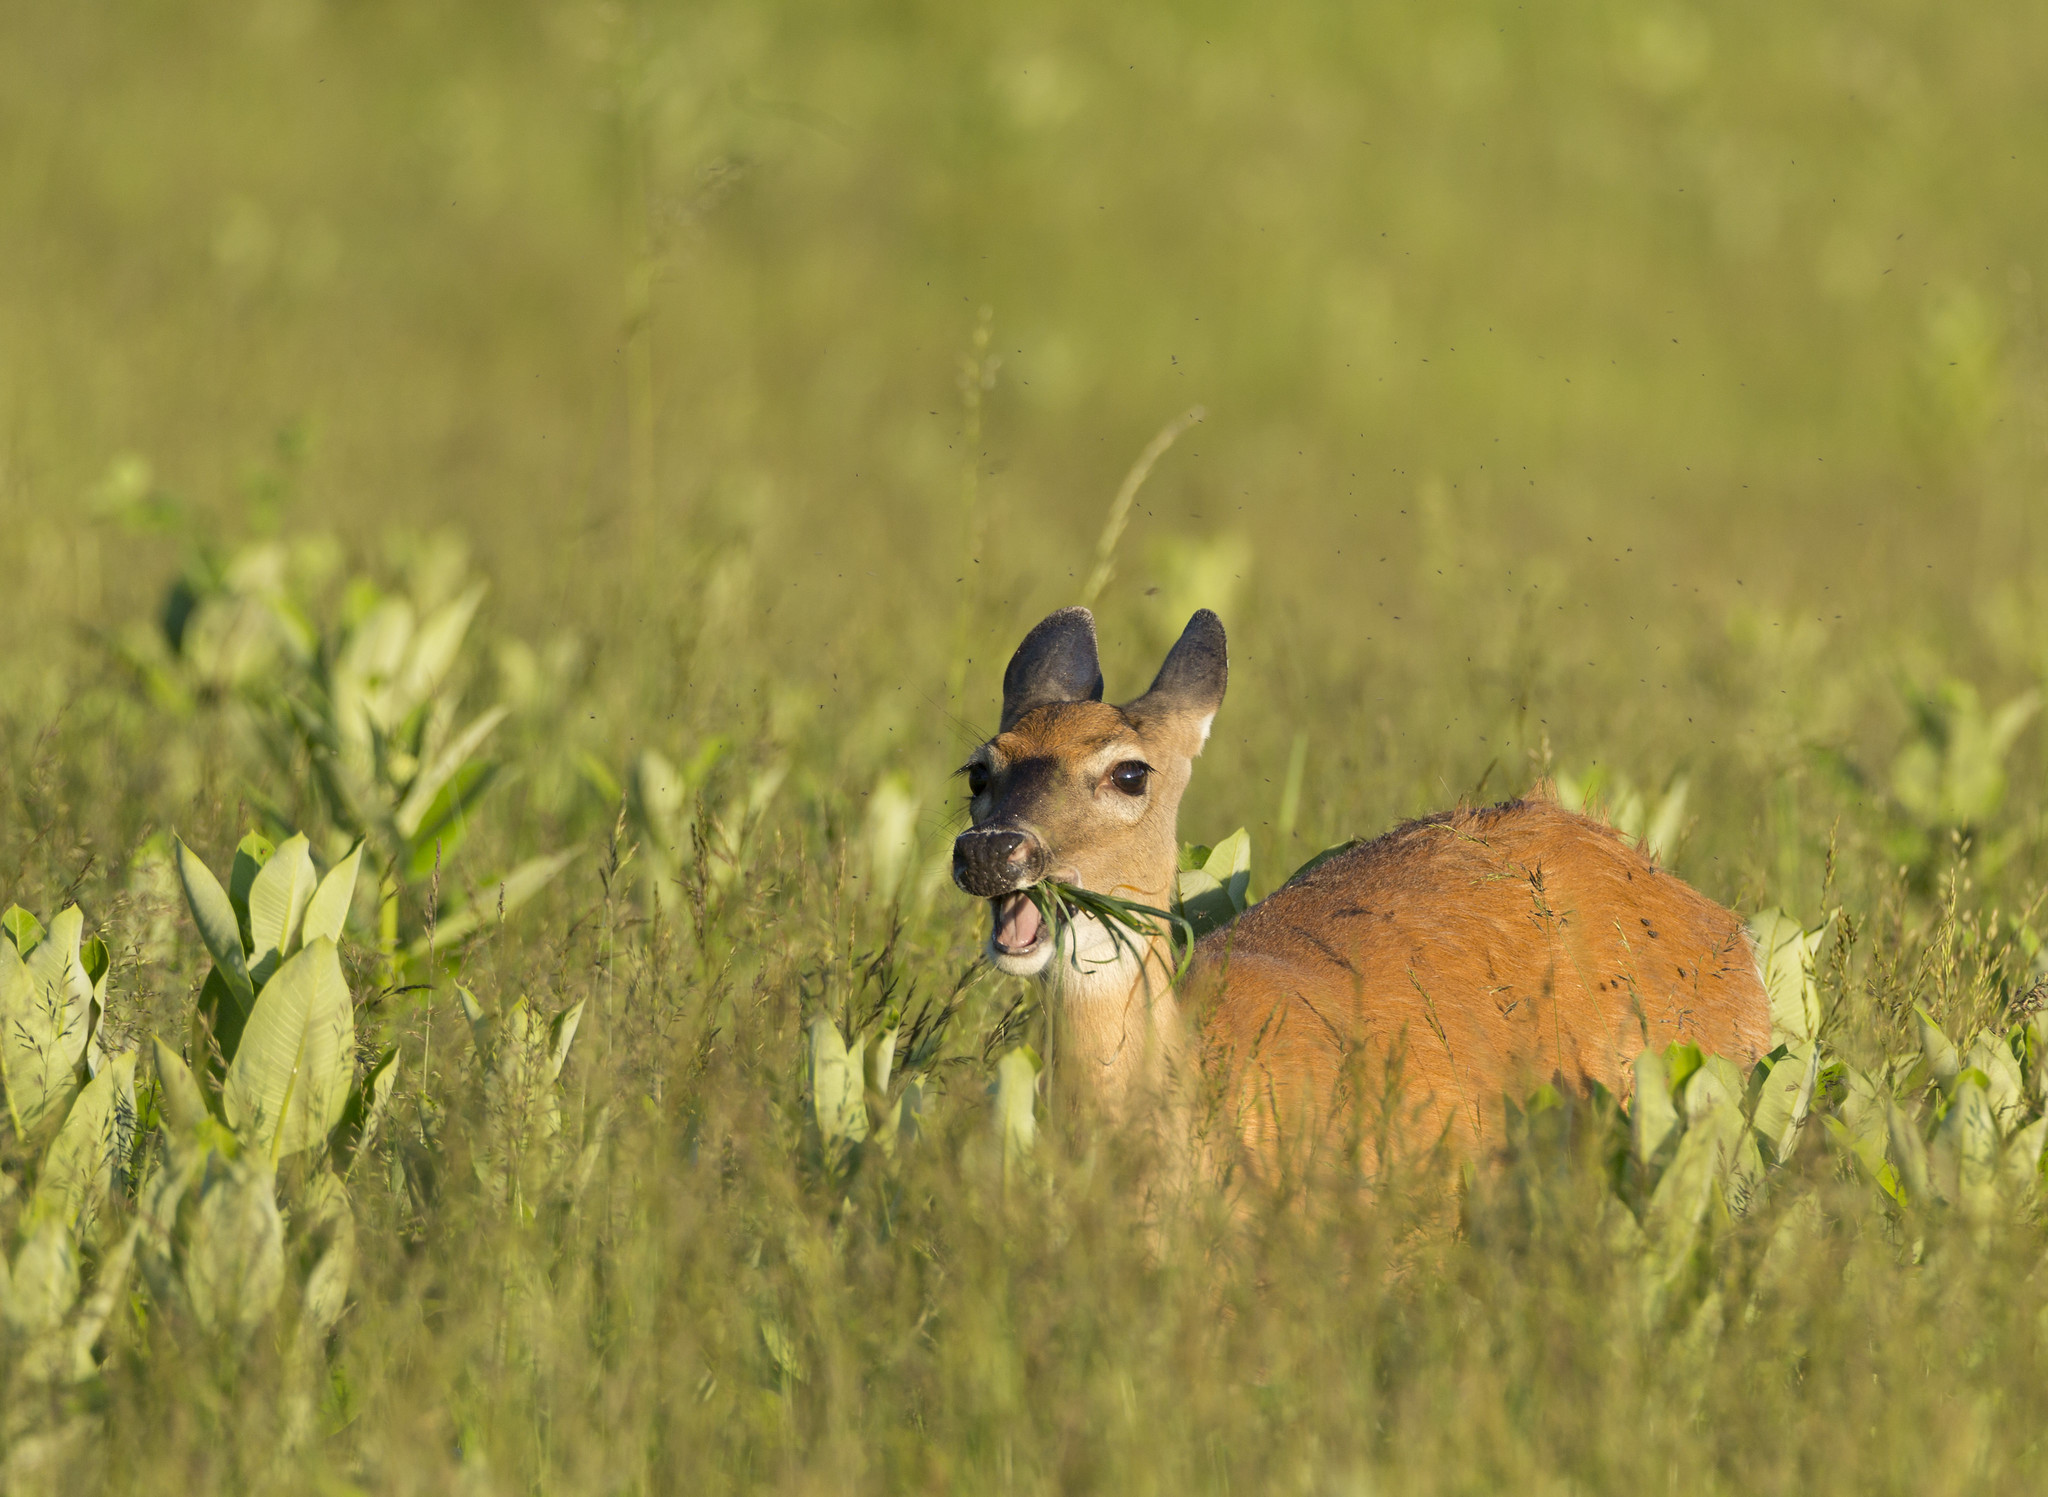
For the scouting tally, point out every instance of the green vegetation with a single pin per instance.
(513, 512)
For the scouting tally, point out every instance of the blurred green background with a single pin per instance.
(1646, 395)
(1539, 351)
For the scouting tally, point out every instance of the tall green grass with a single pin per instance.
(1650, 399)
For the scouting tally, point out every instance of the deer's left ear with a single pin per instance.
(1189, 688)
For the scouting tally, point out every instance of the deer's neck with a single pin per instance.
(1117, 1031)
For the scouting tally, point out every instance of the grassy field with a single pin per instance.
(1651, 397)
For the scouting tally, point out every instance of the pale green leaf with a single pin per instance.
(289, 1080)
(64, 990)
(655, 794)
(1990, 1055)
(1784, 956)
(1967, 1144)
(33, 1066)
(1936, 1048)
(1015, 1097)
(562, 1037)
(43, 1283)
(70, 1356)
(1908, 1154)
(179, 1099)
(277, 904)
(234, 1250)
(836, 1094)
(251, 853)
(22, 928)
(1715, 1082)
(434, 646)
(1653, 1117)
(1782, 1099)
(2020, 1166)
(79, 1170)
(881, 1058)
(327, 911)
(427, 784)
(215, 916)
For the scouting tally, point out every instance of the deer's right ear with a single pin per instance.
(1190, 685)
(1056, 663)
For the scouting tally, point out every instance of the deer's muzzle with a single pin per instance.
(992, 861)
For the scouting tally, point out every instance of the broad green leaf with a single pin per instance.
(278, 897)
(1015, 1097)
(1653, 1118)
(1713, 1083)
(436, 643)
(446, 823)
(60, 978)
(218, 926)
(1862, 1127)
(179, 1099)
(79, 1170)
(654, 794)
(324, 1216)
(1936, 1048)
(290, 1076)
(34, 1066)
(364, 1114)
(562, 1036)
(1784, 956)
(327, 911)
(1230, 864)
(93, 957)
(1687, 1204)
(1783, 1097)
(419, 797)
(1966, 1149)
(251, 853)
(881, 1057)
(67, 1354)
(782, 1351)
(500, 895)
(2020, 1167)
(43, 1283)
(22, 928)
(1992, 1057)
(234, 1248)
(217, 1022)
(1217, 891)
(1909, 1154)
(836, 1095)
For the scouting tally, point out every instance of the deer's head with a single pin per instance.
(1076, 789)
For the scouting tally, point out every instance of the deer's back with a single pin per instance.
(1461, 957)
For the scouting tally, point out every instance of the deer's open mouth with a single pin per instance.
(1019, 927)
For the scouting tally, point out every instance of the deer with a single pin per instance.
(1452, 962)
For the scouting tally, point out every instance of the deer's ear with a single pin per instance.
(1056, 663)
(1189, 687)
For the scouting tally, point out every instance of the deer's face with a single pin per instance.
(1078, 790)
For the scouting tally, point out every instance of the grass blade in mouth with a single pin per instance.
(1124, 919)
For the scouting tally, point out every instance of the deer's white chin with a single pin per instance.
(1022, 963)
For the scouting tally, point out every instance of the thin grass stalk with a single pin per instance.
(1120, 507)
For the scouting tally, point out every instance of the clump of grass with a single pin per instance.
(1126, 920)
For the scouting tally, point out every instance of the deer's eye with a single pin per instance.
(977, 779)
(1130, 776)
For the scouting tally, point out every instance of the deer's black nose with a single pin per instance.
(994, 860)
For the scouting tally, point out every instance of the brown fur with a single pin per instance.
(1482, 951)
